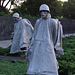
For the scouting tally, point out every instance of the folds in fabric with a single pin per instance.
(22, 35)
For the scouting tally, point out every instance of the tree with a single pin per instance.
(12, 2)
(2, 7)
(69, 9)
(31, 7)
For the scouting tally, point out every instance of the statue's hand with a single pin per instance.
(24, 48)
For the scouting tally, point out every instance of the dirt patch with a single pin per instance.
(13, 58)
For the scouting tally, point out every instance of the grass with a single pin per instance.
(9, 68)
(66, 62)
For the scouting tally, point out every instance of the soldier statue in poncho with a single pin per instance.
(46, 43)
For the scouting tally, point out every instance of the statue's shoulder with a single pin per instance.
(38, 20)
(25, 21)
(53, 21)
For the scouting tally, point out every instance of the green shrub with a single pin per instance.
(4, 51)
(5, 14)
(67, 61)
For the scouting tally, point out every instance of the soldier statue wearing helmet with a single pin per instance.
(45, 44)
(18, 18)
(22, 34)
(16, 15)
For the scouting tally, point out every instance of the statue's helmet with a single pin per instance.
(16, 15)
(44, 7)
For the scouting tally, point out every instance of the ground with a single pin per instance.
(12, 57)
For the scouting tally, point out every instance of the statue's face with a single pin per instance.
(44, 14)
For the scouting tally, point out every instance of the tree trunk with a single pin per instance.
(3, 2)
(10, 7)
(0, 3)
(7, 3)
